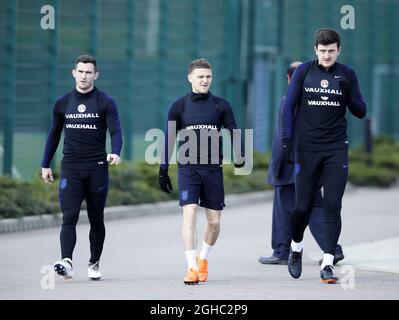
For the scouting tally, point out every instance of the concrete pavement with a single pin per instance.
(143, 258)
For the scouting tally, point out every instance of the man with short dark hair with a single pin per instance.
(321, 90)
(84, 114)
(198, 117)
(281, 176)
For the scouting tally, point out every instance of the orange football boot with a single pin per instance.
(202, 269)
(191, 277)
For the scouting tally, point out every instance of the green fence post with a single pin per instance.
(395, 68)
(367, 86)
(247, 56)
(279, 73)
(197, 28)
(233, 28)
(162, 60)
(10, 86)
(53, 53)
(128, 129)
(53, 67)
(307, 32)
(392, 84)
(94, 25)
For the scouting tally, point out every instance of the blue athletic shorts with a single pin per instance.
(201, 185)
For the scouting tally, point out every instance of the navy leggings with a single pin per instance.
(332, 168)
(283, 206)
(76, 185)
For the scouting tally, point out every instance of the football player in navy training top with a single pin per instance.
(281, 175)
(198, 118)
(84, 114)
(322, 90)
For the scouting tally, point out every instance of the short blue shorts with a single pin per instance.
(201, 185)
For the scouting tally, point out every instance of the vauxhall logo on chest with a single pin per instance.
(81, 108)
(81, 115)
(324, 89)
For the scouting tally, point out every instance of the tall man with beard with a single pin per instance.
(322, 89)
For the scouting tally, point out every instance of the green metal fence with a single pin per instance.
(144, 46)
(285, 33)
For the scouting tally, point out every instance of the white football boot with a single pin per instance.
(93, 271)
(64, 268)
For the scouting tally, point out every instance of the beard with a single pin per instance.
(84, 86)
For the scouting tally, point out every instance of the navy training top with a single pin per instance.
(320, 122)
(199, 118)
(85, 118)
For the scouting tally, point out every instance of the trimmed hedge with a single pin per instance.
(381, 168)
(362, 175)
(130, 183)
(134, 183)
(18, 199)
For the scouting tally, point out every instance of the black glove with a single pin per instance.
(164, 180)
(345, 88)
(286, 150)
